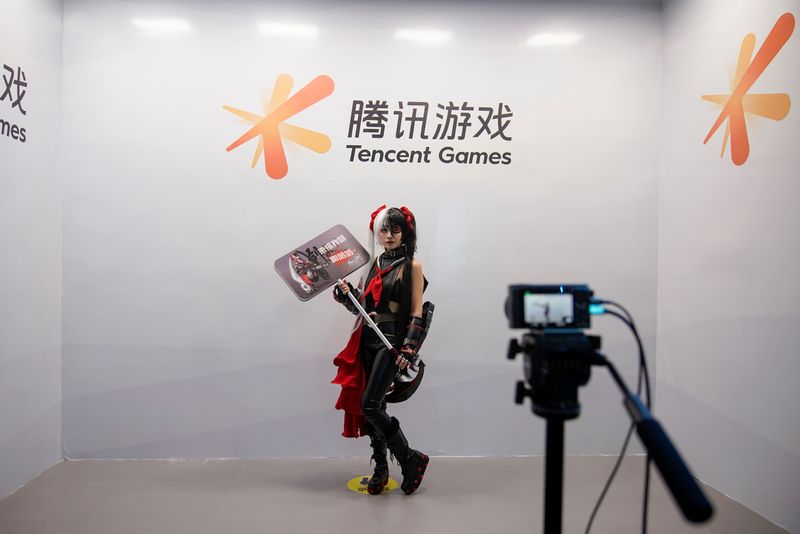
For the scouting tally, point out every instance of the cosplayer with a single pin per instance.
(392, 295)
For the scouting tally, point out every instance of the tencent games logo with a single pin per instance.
(271, 127)
(773, 106)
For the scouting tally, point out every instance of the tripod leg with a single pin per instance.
(553, 476)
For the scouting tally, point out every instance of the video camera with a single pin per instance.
(542, 307)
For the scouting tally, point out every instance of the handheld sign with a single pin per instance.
(316, 265)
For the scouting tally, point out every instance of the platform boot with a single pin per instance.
(413, 463)
(380, 477)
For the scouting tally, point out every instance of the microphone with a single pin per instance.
(684, 488)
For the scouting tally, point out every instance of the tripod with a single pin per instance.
(557, 363)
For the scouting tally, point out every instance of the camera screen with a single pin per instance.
(544, 306)
(543, 309)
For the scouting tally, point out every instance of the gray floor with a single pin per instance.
(463, 495)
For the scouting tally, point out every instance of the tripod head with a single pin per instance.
(556, 363)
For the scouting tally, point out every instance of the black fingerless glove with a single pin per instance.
(409, 354)
(341, 298)
(416, 328)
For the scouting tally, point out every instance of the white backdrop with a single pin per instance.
(30, 240)
(728, 262)
(179, 338)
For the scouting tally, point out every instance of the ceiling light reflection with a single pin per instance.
(423, 36)
(284, 29)
(553, 39)
(161, 26)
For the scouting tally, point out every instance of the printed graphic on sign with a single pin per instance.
(773, 106)
(270, 129)
(359, 485)
(315, 266)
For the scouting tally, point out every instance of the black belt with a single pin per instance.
(384, 317)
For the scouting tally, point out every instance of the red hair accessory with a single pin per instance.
(375, 214)
(408, 215)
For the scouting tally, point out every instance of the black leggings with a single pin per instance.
(380, 369)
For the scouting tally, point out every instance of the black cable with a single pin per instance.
(620, 457)
(642, 364)
(643, 374)
(642, 360)
(610, 478)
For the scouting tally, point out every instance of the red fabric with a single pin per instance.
(408, 215)
(351, 371)
(375, 285)
(351, 377)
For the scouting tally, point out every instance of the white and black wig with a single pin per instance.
(389, 218)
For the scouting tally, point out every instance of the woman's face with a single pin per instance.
(391, 237)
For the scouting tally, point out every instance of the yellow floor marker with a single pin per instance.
(359, 485)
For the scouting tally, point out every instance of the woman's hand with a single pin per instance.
(405, 357)
(344, 287)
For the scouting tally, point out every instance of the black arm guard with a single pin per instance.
(341, 298)
(415, 333)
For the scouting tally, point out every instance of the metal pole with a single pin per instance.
(553, 476)
(369, 321)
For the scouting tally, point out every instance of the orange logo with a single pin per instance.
(773, 106)
(271, 126)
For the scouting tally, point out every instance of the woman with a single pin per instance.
(393, 298)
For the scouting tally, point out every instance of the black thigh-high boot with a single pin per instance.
(380, 477)
(413, 463)
(380, 369)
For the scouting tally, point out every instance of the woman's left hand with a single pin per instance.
(409, 353)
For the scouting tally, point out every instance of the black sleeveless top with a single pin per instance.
(396, 288)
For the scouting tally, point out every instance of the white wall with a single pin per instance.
(728, 262)
(30, 240)
(179, 338)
